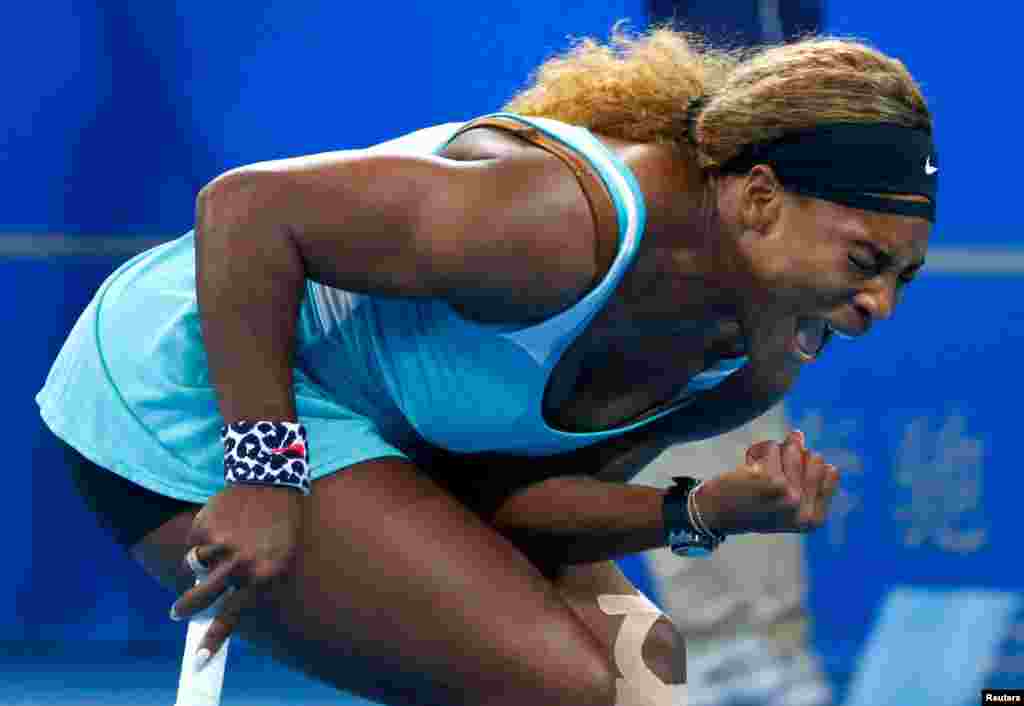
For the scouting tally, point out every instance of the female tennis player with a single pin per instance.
(392, 396)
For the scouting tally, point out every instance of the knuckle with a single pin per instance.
(198, 536)
(266, 570)
(761, 448)
(217, 539)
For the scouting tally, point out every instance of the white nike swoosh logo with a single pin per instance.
(928, 168)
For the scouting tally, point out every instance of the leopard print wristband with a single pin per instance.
(266, 453)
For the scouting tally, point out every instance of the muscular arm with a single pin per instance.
(513, 231)
(583, 510)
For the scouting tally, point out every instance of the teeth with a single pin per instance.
(811, 335)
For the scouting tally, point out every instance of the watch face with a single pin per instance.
(682, 537)
(685, 543)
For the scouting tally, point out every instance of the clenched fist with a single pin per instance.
(780, 488)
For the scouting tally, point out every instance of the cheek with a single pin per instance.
(812, 268)
(821, 261)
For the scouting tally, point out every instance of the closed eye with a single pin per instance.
(870, 268)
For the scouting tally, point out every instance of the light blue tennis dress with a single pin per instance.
(374, 376)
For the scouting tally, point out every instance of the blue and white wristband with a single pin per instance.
(266, 453)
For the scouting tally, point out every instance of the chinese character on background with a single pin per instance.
(943, 472)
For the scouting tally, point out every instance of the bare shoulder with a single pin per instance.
(668, 175)
(528, 213)
(559, 214)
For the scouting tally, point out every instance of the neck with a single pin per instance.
(674, 285)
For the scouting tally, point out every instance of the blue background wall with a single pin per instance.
(117, 113)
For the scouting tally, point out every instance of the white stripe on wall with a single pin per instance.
(980, 260)
(975, 261)
(43, 246)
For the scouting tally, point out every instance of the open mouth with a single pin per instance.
(810, 338)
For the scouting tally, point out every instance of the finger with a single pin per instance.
(224, 624)
(814, 475)
(793, 467)
(204, 593)
(829, 486)
(201, 559)
(801, 439)
(195, 564)
(759, 452)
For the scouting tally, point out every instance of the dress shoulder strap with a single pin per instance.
(602, 205)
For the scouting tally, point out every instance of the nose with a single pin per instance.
(877, 302)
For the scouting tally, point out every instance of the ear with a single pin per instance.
(761, 199)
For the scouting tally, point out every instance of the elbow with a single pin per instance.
(229, 200)
(240, 225)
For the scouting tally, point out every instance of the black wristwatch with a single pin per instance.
(683, 538)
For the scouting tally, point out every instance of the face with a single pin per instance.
(814, 267)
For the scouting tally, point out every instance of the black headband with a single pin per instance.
(849, 162)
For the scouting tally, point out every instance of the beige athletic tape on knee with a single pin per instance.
(639, 686)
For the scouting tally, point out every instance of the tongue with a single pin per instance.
(810, 336)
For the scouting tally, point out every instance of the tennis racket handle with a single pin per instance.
(202, 687)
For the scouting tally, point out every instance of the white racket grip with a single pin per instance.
(202, 687)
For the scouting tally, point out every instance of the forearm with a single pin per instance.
(249, 278)
(577, 519)
(596, 516)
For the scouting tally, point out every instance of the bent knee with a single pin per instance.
(553, 672)
(664, 651)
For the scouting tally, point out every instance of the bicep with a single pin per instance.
(406, 225)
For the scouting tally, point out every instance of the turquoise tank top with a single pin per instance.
(472, 387)
(374, 375)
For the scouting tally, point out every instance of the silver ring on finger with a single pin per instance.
(194, 563)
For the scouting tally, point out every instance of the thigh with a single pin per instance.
(483, 482)
(595, 592)
(403, 595)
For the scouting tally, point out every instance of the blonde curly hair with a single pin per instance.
(639, 88)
